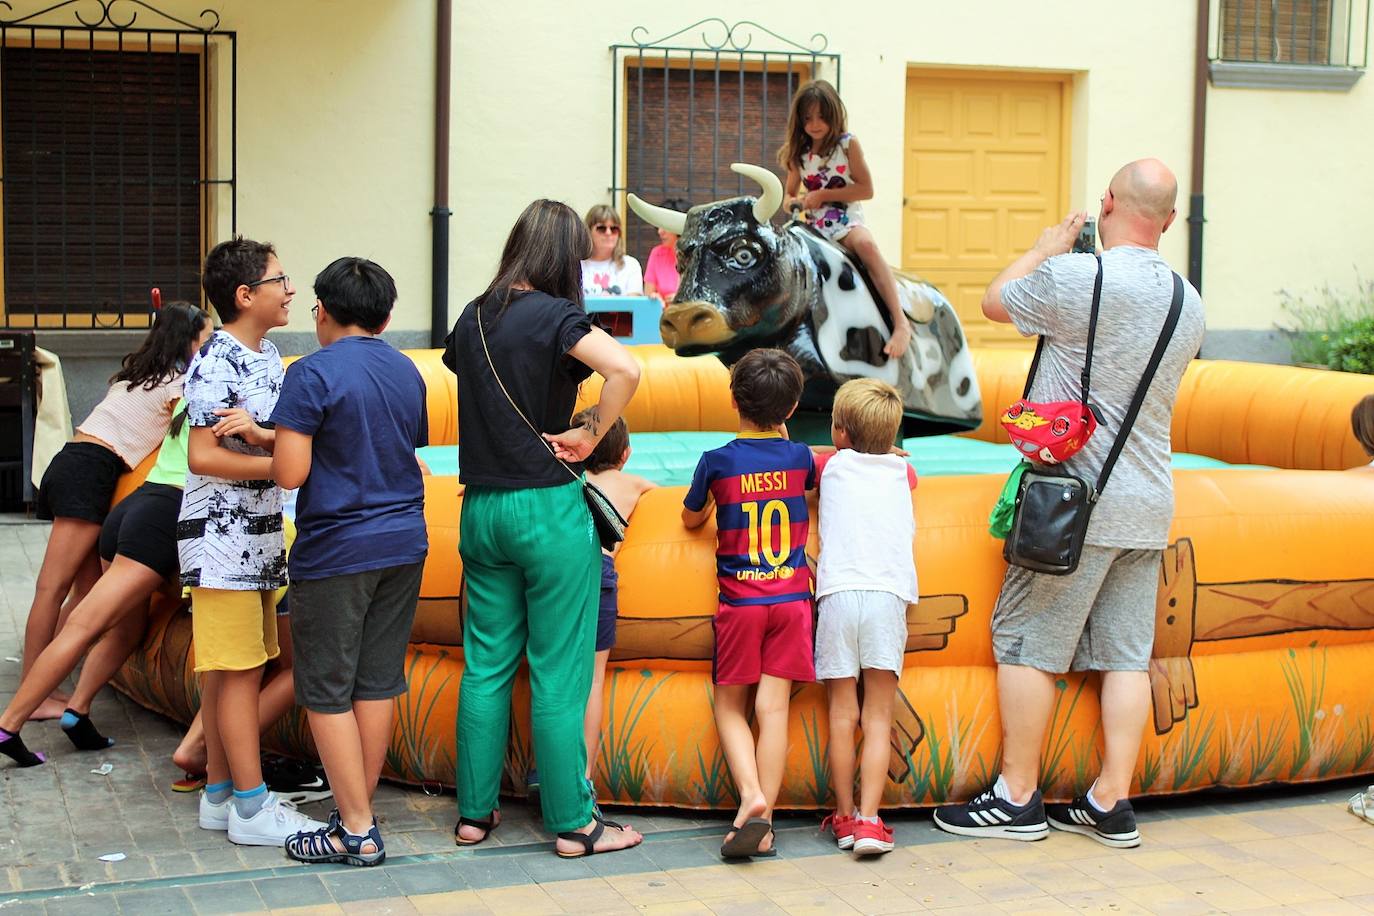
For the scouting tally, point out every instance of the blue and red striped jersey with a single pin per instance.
(759, 482)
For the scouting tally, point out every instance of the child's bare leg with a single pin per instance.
(275, 700)
(861, 243)
(770, 710)
(591, 723)
(880, 693)
(737, 741)
(107, 656)
(71, 546)
(236, 718)
(216, 761)
(844, 718)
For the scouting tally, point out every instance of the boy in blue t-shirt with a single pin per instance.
(763, 625)
(348, 422)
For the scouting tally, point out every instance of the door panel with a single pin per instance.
(983, 176)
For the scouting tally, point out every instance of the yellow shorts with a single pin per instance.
(233, 630)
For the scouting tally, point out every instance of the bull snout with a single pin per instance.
(693, 324)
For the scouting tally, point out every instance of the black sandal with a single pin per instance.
(748, 837)
(588, 840)
(487, 827)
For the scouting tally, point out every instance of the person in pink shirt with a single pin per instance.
(660, 274)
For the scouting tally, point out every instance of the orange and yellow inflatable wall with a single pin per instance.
(1265, 627)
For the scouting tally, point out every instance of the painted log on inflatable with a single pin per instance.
(1265, 614)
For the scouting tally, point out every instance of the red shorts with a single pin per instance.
(757, 639)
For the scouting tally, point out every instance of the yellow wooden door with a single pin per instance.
(984, 174)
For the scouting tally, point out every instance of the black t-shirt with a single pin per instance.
(529, 343)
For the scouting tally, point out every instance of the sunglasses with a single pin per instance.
(609, 230)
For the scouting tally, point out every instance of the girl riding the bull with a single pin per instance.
(826, 178)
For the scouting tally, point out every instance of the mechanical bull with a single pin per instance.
(746, 284)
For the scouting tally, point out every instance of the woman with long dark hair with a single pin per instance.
(76, 489)
(531, 557)
(138, 546)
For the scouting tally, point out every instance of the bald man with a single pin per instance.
(1101, 617)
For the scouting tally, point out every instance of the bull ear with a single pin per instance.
(771, 199)
(658, 217)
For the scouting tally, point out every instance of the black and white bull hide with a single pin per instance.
(747, 284)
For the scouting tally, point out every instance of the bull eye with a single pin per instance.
(742, 254)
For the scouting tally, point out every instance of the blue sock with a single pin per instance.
(219, 792)
(249, 803)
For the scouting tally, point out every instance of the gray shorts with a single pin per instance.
(1100, 618)
(350, 635)
(859, 629)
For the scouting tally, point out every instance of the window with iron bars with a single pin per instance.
(686, 125)
(1312, 33)
(104, 146)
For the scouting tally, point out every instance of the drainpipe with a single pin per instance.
(438, 307)
(1195, 217)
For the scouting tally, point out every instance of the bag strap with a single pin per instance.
(496, 375)
(1170, 322)
(1092, 336)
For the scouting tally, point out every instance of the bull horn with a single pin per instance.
(658, 217)
(771, 200)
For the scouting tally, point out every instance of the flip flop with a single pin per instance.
(192, 783)
(745, 843)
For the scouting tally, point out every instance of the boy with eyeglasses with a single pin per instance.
(229, 535)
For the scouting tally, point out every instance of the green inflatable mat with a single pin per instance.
(668, 459)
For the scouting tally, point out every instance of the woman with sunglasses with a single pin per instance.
(609, 271)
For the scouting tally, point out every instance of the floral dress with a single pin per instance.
(833, 219)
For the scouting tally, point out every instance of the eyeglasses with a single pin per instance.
(609, 230)
(315, 310)
(283, 279)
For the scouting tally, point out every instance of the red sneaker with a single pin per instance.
(871, 839)
(842, 825)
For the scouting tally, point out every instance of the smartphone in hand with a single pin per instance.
(1086, 243)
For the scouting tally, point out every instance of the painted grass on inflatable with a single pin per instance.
(1265, 614)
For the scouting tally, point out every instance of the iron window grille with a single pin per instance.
(1322, 33)
(696, 100)
(113, 168)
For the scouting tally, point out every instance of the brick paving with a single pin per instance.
(1295, 850)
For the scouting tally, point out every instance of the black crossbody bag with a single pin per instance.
(1053, 506)
(610, 525)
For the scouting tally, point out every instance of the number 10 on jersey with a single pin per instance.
(762, 522)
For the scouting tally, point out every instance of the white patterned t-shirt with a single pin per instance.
(229, 532)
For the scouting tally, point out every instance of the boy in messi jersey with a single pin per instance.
(763, 624)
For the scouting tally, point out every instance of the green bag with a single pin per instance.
(1000, 519)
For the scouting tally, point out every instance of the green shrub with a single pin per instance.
(1332, 327)
(1352, 350)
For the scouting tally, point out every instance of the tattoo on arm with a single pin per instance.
(593, 422)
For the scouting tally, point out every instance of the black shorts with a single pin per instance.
(610, 606)
(79, 483)
(143, 527)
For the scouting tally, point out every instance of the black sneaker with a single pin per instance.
(295, 781)
(1115, 828)
(991, 816)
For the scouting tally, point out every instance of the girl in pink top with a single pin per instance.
(660, 275)
(79, 484)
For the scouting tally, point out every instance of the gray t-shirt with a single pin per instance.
(1135, 508)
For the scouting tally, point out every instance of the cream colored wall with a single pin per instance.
(336, 100)
(542, 92)
(1290, 198)
(335, 137)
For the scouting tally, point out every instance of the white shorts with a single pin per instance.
(859, 629)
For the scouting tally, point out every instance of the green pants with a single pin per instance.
(532, 566)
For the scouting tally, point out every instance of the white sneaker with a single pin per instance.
(271, 826)
(1362, 805)
(213, 816)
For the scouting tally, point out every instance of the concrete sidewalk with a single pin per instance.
(1295, 850)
